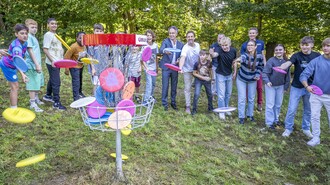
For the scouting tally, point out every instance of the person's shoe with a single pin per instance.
(81, 95)
(39, 102)
(308, 133)
(36, 108)
(271, 127)
(228, 113)
(222, 116)
(286, 133)
(241, 121)
(165, 108)
(194, 111)
(251, 118)
(59, 106)
(188, 110)
(313, 142)
(48, 98)
(259, 108)
(173, 105)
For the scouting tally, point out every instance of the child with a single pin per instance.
(203, 76)
(33, 59)
(53, 50)
(151, 64)
(248, 75)
(275, 84)
(297, 90)
(17, 48)
(134, 68)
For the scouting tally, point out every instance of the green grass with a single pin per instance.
(173, 148)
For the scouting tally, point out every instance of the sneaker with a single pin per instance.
(241, 121)
(173, 105)
(222, 116)
(81, 95)
(59, 106)
(36, 108)
(286, 133)
(188, 110)
(48, 98)
(251, 118)
(313, 142)
(308, 133)
(228, 113)
(259, 108)
(39, 102)
(271, 127)
(193, 112)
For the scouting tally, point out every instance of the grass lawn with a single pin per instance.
(173, 148)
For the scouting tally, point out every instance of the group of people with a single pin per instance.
(214, 68)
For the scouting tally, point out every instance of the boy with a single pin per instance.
(17, 48)
(203, 76)
(74, 54)
(320, 67)
(297, 91)
(133, 63)
(53, 50)
(33, 59)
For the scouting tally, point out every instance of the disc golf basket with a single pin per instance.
(125, 114)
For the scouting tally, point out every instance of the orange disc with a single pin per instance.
(128, 90)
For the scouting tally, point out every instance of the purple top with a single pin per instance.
(15, 48)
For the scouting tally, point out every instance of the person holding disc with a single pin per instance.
(320, 67)
(133, 63)
(73, 54)
(203, 76)
(53, 50)
(275, 85)
(33, 59)
(150, 65)
(189, 57)
(17, 47)
(297, 90)
(168, 74)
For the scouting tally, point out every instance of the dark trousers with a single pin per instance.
(166, 76)
(81, 79)
(198, 87)
(75, 78)
(54, 82)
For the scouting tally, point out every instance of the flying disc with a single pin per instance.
(127, 105)
(146, 54)
(65, 63)
(102, 96)
(123, 157)
(128, 90)
(318, 91)
(126, 131)
(152, 73)
(173, 50)
(20, 63)
(100, 120)
(19, 115)
(89, 61)
(277, 69)
(82, 102)
(173, 67)
(112, 79)
(224, 109)
(63, 42)
(96, 110)
(31, 160)
(122, 117)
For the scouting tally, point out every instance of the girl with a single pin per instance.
(17, 48)
(275, 84)
(249, 73)
(203, 76)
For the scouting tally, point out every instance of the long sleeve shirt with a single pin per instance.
(276, 78)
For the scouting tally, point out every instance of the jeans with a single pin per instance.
(224, 89)
(198, 85)
(295, 95)
(316, 103)
(241, 91)
(75, 78)
(150, 86)
(166, 76)
(54, 83)
(259, 90)
(274, 99)
(81, 79)
(188, 79)
(214, 86)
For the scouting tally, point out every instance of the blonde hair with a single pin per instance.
(30, 21)
(326, 41)
(225, 40)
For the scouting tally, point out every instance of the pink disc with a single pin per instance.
(277, 69)
(112, 80)
(173, 67)
(127, 105)
(152, 73)
(146, 54)
(65, 63)
(96, 110)
(318, 91)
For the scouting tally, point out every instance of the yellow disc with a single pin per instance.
(31, 160)
(123, 157)
(89, 61)
(126, 131)
(19, 115)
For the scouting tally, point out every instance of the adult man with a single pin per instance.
(189, 56)
(167, 74)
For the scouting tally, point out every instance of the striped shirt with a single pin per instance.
(246, 73)
(15, 48)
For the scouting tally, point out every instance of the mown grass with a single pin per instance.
(173, 148)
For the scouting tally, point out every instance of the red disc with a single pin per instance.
(65, 63)
(111, 80)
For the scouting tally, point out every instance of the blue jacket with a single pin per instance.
(168, 58)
